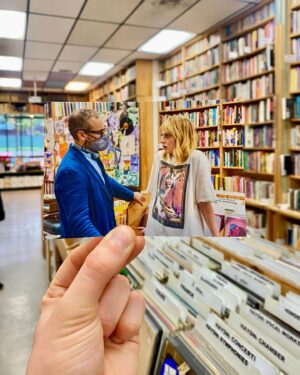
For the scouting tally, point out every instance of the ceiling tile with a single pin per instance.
(10, 47)
(130, 37)
(28, 83)
(109, 10)
(205, 14)
(48, 29)
(91, 33)
(68, 8)
(19, 5)
(60, 76)
(37, 50)
(72, 67)
(38, 76)
(157, 13)
(38, 65)
(55, 85)
(76, 53)
(10, 74)
(110, 55)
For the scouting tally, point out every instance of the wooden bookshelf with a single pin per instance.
(275, 219)
(293, 147)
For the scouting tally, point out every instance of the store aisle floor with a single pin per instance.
(23, 273)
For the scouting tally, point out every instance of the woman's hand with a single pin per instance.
(139, 197)
(206, 209)
(90, 320)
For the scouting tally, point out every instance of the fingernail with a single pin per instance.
(121, 237)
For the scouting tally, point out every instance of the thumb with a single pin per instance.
(100, 266)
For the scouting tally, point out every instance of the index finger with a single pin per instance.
(102, 264)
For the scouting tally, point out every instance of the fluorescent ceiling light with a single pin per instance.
(10, 82)
(76, 86)
(165, 41)
(12, 24)
(11, 63)
(95, 69)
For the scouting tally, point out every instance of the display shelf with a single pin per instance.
(295, 7)
(201, 53)
(171, 83)
(270, 149)
(232, 125)
(192, 109)
(25, 173)
(207, 127)
(259, 173)
(207, 147)
(248, 101)
(246, 55)
(202, 71)
(294, 35)
(260, 123)
(257, 25)
(257, 204)
(246, 78)
(198, 91)
(170, 67)
(21, 188)
(229, 147)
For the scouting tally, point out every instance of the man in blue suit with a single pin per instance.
(83, 190)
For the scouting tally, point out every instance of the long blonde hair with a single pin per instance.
(180, 128)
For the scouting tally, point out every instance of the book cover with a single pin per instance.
(235, 226)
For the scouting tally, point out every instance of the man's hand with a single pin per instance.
(138, 197)
(90, 320)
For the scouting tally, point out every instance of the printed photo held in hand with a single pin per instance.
(91, 167)
(90, 320)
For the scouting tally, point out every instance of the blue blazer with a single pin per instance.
(86, 207)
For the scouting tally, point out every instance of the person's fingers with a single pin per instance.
(101, 265)
(70, 267)
(113, 302)
(131, 320)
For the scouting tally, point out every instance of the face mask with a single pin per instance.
(100, 144)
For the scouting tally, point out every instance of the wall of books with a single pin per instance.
(208, 311)
(242, 53)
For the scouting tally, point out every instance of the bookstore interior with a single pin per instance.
(214, 305)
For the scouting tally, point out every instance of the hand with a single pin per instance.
(90, 320)
(138, 197)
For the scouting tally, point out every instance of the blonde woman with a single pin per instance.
(180, 184)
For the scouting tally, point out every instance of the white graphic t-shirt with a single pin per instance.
(176, 189)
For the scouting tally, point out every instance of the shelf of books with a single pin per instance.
(293, 193)
(120, 87)
(220, 137)
(193, 71)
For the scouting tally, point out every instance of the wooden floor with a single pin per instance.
(24, 275)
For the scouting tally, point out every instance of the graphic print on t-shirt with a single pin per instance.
(169, 205)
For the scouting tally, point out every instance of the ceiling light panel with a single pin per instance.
(165, 41)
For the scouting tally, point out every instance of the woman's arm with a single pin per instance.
(206, 209)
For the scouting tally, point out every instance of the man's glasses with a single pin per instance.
(101, 132)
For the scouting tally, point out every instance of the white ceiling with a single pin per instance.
(62, 35)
